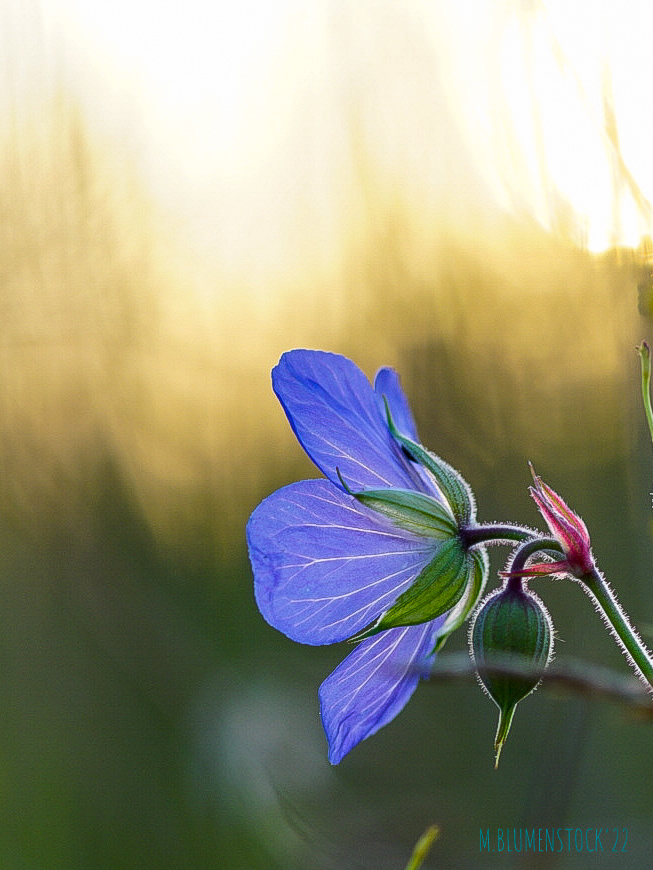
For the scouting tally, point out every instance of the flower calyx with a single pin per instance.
(453, 580)
(444, 583)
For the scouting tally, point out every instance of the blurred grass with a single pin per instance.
(147, 716)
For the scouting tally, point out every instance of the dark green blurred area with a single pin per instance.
(148, 716)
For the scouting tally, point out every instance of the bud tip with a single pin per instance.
(505, 721)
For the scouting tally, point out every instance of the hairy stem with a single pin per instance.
(635, 650)
(497, 533)
(530, 548)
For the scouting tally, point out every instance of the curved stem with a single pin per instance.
(635, 650)
(495, 533)
(530, 548)
(535, 545)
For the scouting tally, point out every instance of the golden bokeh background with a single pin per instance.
(459, 190)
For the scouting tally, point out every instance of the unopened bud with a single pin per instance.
(512, 643)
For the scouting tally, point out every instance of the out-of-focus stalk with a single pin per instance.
(644, 352)
(423, 847)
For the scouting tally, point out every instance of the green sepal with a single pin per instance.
(476, 584)
(413, 511)
(453, 487)
(437, 588)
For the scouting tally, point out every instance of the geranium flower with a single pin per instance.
(372, 552)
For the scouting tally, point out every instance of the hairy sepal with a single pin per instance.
(453, 487)
(412, 511)
(459, 614)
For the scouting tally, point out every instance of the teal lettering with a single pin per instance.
(485, 841)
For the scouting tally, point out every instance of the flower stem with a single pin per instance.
(498, 533)
(530, 548)
(639, 656)
(644, 352)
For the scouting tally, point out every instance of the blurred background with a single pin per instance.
(189, 189)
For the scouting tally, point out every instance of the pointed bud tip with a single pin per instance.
(533, 474)
(505, 721)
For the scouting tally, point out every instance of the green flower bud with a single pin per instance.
(512, 631)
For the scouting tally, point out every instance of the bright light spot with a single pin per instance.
(585, 164)
(247, 108)
(200, 76)
(552, 98)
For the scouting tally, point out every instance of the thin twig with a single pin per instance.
(572, 675)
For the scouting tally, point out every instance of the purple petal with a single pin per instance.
(325, 566)
(373, 684)
(338, 420)
(387, 384)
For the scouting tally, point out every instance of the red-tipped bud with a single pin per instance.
(567, 528)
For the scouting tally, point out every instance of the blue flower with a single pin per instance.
(372, 552)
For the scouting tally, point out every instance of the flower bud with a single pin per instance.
(512, 632)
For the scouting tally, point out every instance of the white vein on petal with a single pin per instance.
(417, 554)
(374, 607)
(383, 655)
(369, 605)
(342, 410)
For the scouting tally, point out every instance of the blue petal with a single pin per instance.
(387, 384)
(325, 566)
(339, 421)
(373, 684)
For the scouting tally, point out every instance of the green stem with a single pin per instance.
(639, 656)
(644, 352)
(423, 847)
(495, 533)
(529, 548)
